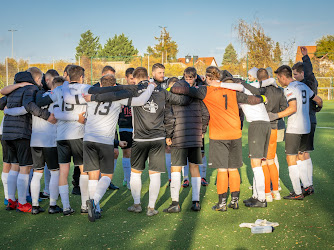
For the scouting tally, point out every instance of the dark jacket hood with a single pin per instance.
(24, 77)
(181, 83)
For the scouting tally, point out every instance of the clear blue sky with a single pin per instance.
(51, 29)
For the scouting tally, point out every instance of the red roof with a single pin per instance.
(310, 50)
(206, 60)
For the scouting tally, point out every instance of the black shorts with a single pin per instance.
(40, 156)
(98, 156)
(310, 138)
(19, 151)
(68, 148)
(258, 139)
(225, 153)
(152, 150)
(295, 143)
(5, 153)
(203, 146)
(179, 156)
(126, 136)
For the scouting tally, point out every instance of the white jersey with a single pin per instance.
(102, 118)
(256, 112)
(69, 130)
(299, 122)
(44, 133)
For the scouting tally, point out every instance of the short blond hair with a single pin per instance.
(35, 72)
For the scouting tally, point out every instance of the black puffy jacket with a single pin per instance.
(312, 83)
(186, 124)
(19, 127)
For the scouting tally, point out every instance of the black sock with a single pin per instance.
(175, 203)
(221, 197)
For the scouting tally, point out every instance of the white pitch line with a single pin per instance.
(326, 127)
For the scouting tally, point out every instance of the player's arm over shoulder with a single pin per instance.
(249, 99)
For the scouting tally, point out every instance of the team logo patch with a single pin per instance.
(289, 94)
(150, 107)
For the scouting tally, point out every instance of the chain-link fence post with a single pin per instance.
(330, 87)
(91, 70)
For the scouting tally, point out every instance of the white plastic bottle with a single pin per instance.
(262, 229)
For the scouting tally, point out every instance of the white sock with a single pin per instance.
(101, 188)
(115, 164)
(202, 168)
(168, 164)
(196, 188)
(12, 184)
(30, 178)
(92, 188)
(83, 183)
(54, 187)
(175, 186)
(255, 195)
(154, 189)
(294, 177)
(185, 172)
(63, 191)
(47, 177)
(22, 186)
(259, 183)
(127, 169)
(303, 174)
(135, 184)
(35, 187)
(309, 170)
(4, 177)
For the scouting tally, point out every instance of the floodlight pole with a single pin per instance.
(163, 32)
(12, 41)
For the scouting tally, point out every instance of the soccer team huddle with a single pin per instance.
(50, 121)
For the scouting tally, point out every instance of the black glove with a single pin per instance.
(317, 108)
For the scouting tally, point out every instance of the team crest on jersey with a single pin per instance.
(151, 107)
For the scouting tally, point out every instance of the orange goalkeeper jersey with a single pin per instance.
(223, 107)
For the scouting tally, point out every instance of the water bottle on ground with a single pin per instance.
(262, 229)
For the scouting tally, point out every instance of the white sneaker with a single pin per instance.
(269, 197)
(276, 195)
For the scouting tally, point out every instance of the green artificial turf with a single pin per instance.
(308, 223)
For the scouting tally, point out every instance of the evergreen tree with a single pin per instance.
(277, 54)
(120, 48)
(88, 45)
(230, 55)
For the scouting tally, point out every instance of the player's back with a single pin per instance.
(256, 112)
(224, 121)
(299, 122)
(69, 130)
(43, 133)
(101, 122)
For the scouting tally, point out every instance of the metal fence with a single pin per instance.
(93, 69)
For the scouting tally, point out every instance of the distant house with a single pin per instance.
(208, 61)
(323, 60)
(310, 50)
